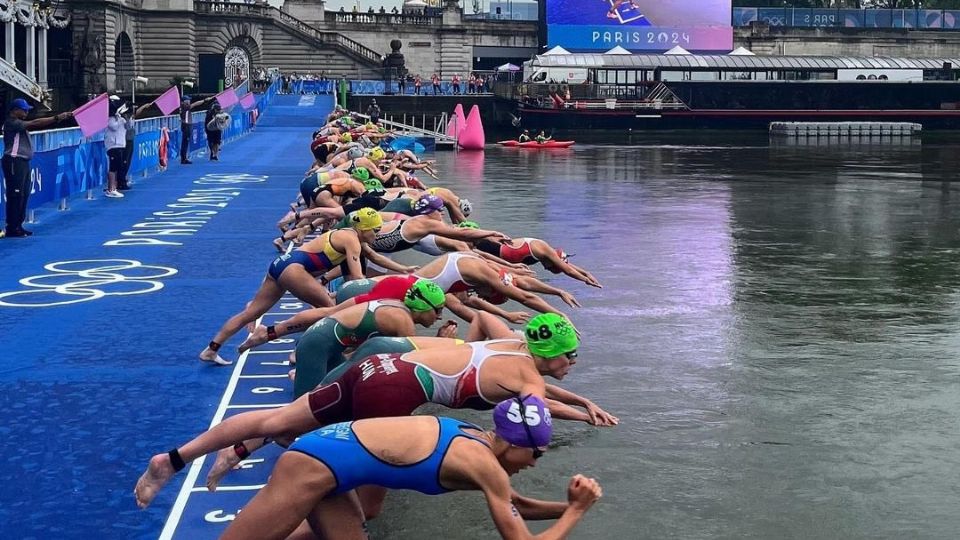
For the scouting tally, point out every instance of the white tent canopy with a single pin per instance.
(618, 50)
(556, 50)
(740, 51)
(415, 3)
(508, 67)
(677, 50)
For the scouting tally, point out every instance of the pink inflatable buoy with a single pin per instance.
(472, 136)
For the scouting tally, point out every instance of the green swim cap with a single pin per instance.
(424, 295)
(468, 225)
(374, 185)
(550, 335)
(361, 174)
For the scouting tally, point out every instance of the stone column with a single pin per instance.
(42, 78)
(31, 52)
(10, 41)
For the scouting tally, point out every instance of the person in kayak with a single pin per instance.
(524, 137)
(542, 137)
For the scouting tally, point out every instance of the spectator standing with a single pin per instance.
(17, 153)
(436, 83)
(186, 126)
(373, 111)
(417, 82)
(455, 83)
(114, 140)
(402, 83)
(472, 84)
(123, 183)
(213, 124)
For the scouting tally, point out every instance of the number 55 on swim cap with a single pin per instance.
(529, 426)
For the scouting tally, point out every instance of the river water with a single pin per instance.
(778, 334)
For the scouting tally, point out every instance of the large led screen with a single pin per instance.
(640, 25)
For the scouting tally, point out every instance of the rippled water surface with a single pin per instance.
(778, 333)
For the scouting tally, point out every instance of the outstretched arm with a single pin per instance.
(487, 326)
(516, 317)
(39, 123)
(535, 285)
(384, 261)
(595, 415)
(442, 229)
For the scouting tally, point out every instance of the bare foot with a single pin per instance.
(158, 473)
(278, 243)
(258, 336)
(292, 375)
(210, 355)
(227, 460)
(292, 358)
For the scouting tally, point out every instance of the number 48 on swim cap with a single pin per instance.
(550, 335)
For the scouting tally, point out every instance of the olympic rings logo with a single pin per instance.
(84, 280)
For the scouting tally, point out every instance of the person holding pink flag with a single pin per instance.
(17, 153)
(186, 125)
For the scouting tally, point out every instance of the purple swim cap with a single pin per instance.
(509, 420)
(427, 203)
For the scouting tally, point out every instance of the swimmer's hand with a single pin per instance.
(583, 492)
(569, 299)
(410, 269)
(448, 330)
(600, 417)
(518, 317)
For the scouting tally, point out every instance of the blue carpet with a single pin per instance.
(101, 371)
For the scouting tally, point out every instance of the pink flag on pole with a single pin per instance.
(169, 100)
(248, 102)
(227, 98)
(92, 115)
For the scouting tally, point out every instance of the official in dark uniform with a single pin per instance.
(17, 153)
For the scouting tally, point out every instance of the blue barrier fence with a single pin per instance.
(371, 87)
(66, 164)
(926, 19)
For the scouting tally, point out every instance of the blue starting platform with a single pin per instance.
(103, 312)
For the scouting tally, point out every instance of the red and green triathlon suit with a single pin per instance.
(391, 385)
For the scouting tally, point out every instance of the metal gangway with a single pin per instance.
(436, 132)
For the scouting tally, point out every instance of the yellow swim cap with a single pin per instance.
(346, 137)
(377, 154)
(433, 191)
(366, 219)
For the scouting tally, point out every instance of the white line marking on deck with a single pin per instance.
(264, 406)
(228, 488)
